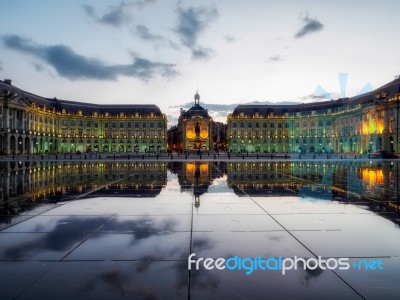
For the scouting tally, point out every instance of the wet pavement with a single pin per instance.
(125, 230)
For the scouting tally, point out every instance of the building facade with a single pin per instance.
(196, 130)
(32, 125)
(355, 125)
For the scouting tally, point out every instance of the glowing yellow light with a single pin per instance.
(189, 133)
(204, 168)
(190, 168)
(204, 133)
(372, 177)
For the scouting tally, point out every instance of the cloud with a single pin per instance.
(74, 66)
(318, 97)
(310, 26)
(1, 66)
(230, 38)
(191, 23)
(89, 10)
(275, 58)
(38, 67)
(218, 112)
(201, 53)
(141, 4)
(144, 33)
(173, 119)
(116, 15)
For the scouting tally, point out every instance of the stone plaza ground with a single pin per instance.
(114, 242)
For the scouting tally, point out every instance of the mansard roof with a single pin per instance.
(75, 106)
(383, 93)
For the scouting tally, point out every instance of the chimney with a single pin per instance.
(7, 81)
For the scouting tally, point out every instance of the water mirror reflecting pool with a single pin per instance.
(105, 230)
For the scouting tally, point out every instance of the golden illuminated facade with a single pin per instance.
(311, 180)
(355, 125)
(22, 183)
(25, 183)
(196, 130)
(33, 125)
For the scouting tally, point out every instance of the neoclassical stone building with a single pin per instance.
(32, 124)
(348, 125)
(196, 130)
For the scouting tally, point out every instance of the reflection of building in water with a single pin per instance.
(323, 181)
(306, 179)
(378, 182)
(23, 184)
(196, 177)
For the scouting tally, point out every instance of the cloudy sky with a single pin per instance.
(149, 51)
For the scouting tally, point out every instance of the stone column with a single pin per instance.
(6, 126)
(385, 132)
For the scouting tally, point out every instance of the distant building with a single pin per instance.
(196, 130)
(354, 125)
(34, 124)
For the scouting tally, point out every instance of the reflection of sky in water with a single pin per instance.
(132, 238)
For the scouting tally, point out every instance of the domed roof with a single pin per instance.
(196, 111)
